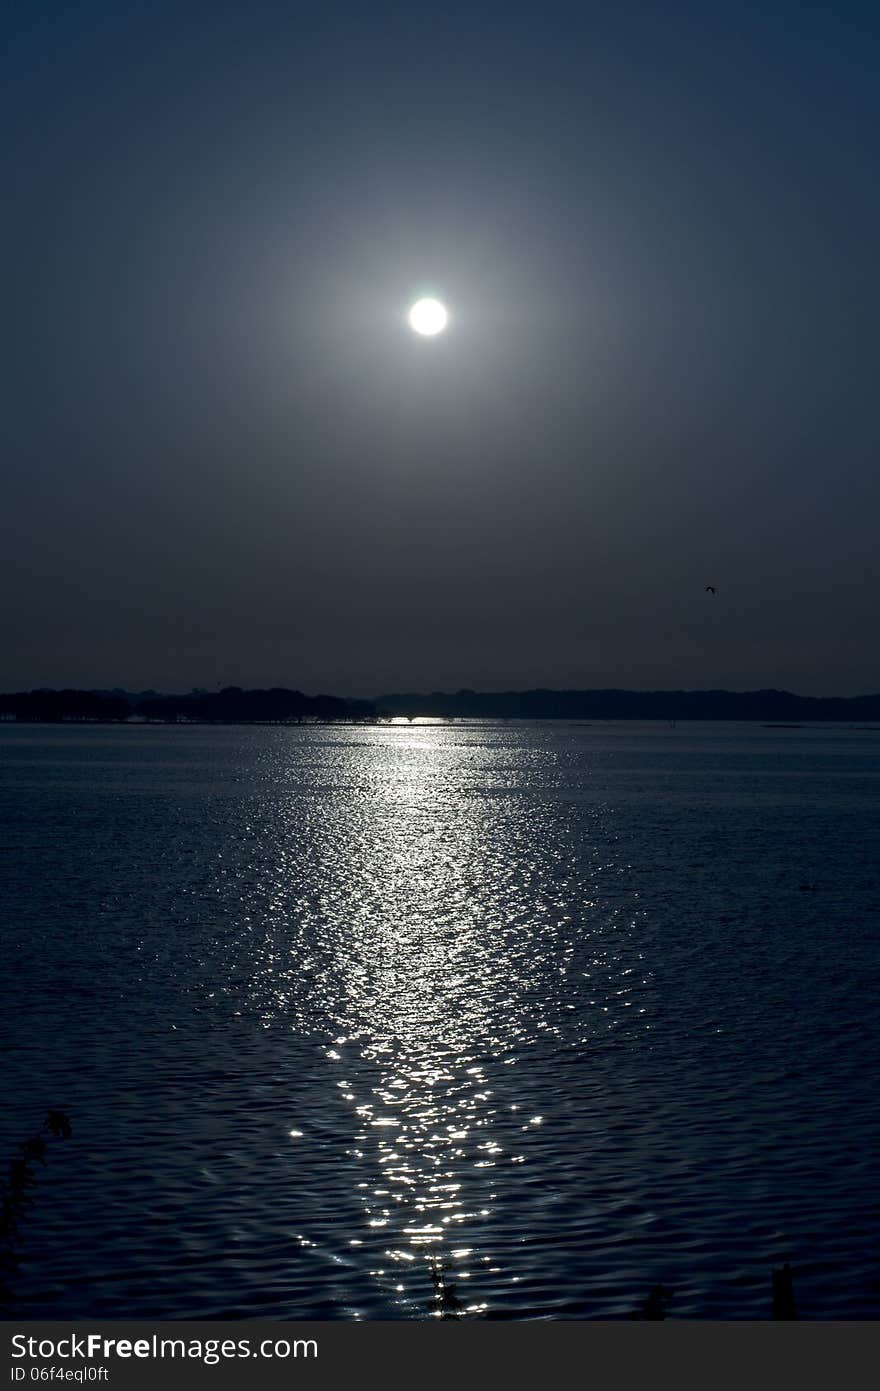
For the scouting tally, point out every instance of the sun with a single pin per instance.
(428, 316)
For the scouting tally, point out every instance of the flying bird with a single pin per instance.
(710, 589)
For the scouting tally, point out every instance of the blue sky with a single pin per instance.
(227, 457)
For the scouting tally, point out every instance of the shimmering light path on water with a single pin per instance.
(527, 1018)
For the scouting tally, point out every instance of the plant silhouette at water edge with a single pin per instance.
(15, 1192)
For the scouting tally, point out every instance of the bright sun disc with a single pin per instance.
(428, 316)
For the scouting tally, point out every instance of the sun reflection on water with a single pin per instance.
(424, 912)
(419, 976)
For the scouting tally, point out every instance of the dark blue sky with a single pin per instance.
(228, 459)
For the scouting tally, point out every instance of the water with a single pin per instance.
(546, 1004)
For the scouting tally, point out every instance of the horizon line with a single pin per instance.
(425, 693)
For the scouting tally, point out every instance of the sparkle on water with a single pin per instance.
(346, 1019)
(428, 317)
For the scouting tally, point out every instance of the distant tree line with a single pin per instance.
(63, 705)
(233, 705)
(775, 706)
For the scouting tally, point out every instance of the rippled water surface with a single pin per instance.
(539, 1015)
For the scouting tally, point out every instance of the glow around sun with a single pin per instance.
(428, 317)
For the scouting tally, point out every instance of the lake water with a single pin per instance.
(545, 1003)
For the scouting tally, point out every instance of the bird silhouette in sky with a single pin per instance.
(710, 589)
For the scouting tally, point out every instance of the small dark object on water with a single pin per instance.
(783, 1294)
(35, 1148)
(808, 888)
(451, 1306)
(710, 589)
(21, 1176)
(57, 1123)
(654, 1307)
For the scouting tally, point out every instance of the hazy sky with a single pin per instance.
(228, 459)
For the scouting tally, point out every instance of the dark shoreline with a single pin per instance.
(278, 705)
